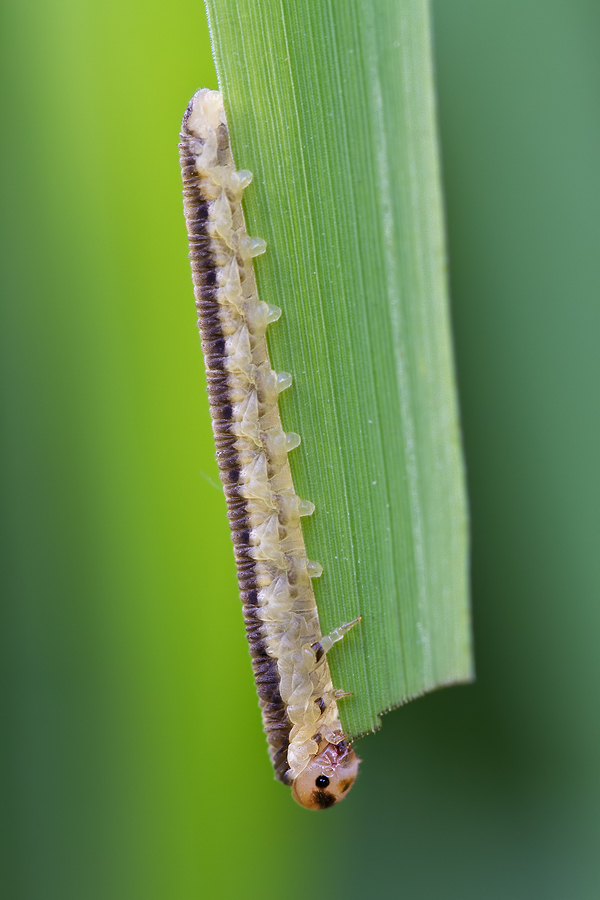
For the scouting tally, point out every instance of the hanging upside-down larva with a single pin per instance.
(297, 698)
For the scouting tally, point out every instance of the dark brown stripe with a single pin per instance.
(204, 277)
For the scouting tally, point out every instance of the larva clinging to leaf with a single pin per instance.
(297, 698)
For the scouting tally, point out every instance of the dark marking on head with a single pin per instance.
(323, 799)
(344, 785)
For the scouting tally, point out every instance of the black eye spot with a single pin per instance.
(322, 781)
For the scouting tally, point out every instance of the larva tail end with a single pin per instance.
(327, 778)
(206, 106)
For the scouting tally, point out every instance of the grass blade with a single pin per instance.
(331, 105)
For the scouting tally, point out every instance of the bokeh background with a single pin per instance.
(133, 761)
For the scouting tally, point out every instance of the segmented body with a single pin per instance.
(296, 695)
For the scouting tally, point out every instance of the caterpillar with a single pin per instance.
(298, 702)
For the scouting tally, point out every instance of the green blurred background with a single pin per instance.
(134, 765)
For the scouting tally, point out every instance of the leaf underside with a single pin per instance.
(332, 107)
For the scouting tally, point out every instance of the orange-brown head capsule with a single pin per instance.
(328, 777)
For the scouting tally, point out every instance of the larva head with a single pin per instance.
(327, 778)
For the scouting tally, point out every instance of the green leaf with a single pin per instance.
(331, 105)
